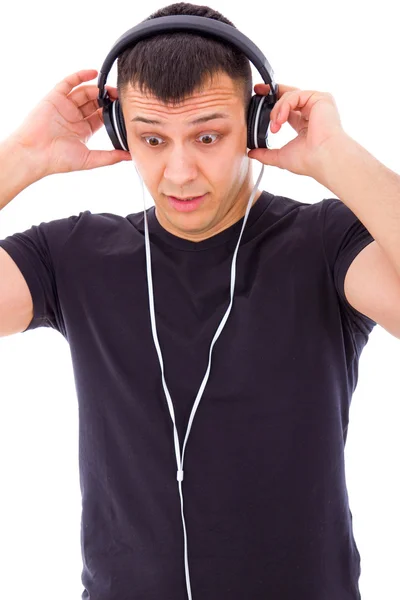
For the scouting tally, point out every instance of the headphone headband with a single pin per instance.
(202, 25)
(260, 107)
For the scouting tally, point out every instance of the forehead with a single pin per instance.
(220, 93)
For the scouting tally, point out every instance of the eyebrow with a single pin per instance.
(204, 119)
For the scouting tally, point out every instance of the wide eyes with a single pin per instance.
(206, 136)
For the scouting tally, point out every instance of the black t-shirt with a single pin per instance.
(265, 497)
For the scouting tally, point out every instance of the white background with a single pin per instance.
(346, 48)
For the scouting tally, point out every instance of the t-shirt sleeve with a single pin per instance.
(344, 236)
(36, 253)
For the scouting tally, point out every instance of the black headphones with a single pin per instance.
(260, 107)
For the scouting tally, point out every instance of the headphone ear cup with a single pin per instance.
(115, 125)
(258, 122)
(250, 122)
(121, 124)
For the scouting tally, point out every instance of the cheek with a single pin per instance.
(149, 170)
(226, 161)
(231, 167)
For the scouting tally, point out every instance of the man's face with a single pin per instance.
(178, 159)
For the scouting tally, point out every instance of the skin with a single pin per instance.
(185, 160)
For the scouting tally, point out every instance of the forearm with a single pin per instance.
(368, 188)
(17, 170)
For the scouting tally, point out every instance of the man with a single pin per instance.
(265, 495)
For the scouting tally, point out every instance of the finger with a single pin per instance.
(112, 92)
(86, 93)
(71, 81)
(104, 158)
(96, 120)
(88, 109)
(263, 88)
(83, 94)
(295, 101)
(266, 156)
(85, 98)
(286, 88)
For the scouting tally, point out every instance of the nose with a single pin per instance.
(180, 169)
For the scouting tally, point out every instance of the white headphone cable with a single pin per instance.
(204, 382)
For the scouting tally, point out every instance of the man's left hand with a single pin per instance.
(315, 118)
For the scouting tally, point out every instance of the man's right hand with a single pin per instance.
(56, 131)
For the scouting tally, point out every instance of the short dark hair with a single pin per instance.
(172, 66)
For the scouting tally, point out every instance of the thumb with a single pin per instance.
(265, 156)
(105, 158)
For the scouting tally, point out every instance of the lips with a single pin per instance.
(187, 197)
(186, 206)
